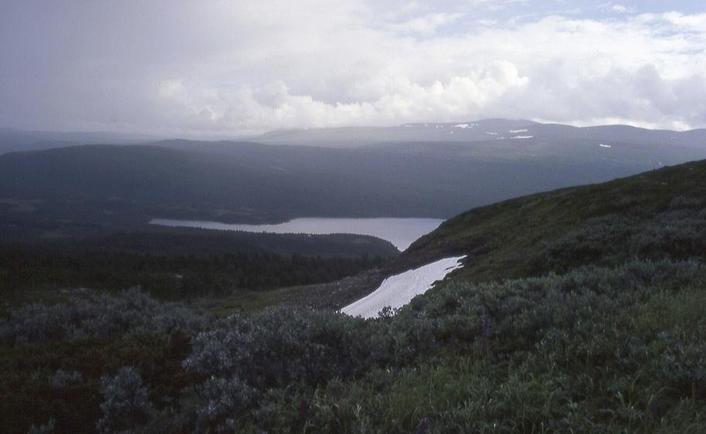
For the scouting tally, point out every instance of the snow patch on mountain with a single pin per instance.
(398, 290)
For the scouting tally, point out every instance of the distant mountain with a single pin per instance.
(98, 188)
(95, 188)
(481, 131)
(14, 140)
(359, 136)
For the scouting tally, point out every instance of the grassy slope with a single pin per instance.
(604, 345)
(523, 237)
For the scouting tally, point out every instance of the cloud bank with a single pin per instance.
(246, 66)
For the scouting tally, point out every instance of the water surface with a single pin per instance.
(399, 231)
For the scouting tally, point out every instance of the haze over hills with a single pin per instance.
(361, 136)
(15, 140)
(484, 130)
(481, 131)
(97, 188)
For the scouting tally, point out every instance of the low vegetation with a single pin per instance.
(657, 214)
(168, 277)
(583, 335)
(175, 264)
(595, 349)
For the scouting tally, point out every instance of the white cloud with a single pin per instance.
(426, 24)
(240, 67)
(616, 8)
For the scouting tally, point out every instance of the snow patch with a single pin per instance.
(398, 290)
(518, 131)
(464, 126)
(521, 137)
(491, 133)
(602, 145)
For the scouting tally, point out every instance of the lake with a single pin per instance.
(399, 231)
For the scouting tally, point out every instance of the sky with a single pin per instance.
(218, 67)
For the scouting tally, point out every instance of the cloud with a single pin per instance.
(399, 100)
(424, 25)
(222, 67)
(616, 8)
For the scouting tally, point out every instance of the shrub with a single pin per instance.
(89, 314)
(62, 379)
(126, 405)
(593, 349)
(220, 401)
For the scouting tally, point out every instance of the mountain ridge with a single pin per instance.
(577, 226)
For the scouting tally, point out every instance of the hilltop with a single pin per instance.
(654, 215)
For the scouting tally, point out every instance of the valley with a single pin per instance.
(544, 287)
(354, 217)
(127, 264)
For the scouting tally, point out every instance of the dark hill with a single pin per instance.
(100, 188)
(654, 215)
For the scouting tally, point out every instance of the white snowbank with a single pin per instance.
(519, 131)
(605, 146)
(521, 137)
(464, 126)
(400, 289)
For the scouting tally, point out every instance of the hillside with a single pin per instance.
(658, 214)
(98, 189)
(578, 310)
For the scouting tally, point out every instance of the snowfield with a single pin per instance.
(398, 290)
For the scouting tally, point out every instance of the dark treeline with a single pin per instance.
(167, 276)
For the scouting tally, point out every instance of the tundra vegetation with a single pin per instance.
(599, 326)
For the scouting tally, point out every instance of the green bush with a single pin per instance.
(593, 350)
